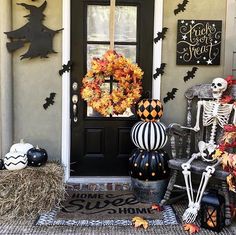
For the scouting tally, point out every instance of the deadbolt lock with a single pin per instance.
(75, 86)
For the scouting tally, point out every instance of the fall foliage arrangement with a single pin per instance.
(228, 159)
(126, 75)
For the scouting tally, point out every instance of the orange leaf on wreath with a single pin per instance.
(191, 228)
(139, 221)
(156, 207)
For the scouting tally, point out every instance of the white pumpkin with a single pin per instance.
(15, 161)
(21, 147)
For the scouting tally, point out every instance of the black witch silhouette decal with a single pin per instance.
(34, 32)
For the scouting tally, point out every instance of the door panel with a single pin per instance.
(124, 142)
(101, 146)
(94, 148)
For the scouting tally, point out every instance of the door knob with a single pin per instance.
(75, 99)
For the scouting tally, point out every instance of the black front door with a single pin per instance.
(101, 146)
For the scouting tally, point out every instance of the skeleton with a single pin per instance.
(214, 114)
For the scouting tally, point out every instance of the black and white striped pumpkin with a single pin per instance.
(149, 135)
(149, 165)
(15, 161)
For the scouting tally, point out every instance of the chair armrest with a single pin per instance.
(177, 129)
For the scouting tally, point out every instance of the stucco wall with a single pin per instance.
(34, 79)
(199, 10)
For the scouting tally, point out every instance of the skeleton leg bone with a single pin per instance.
(188, 180)
(191, 213)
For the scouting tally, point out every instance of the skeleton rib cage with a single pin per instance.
(214, 112)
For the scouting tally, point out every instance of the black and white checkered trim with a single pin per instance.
(169, 218)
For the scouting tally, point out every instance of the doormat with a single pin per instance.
(105, 208)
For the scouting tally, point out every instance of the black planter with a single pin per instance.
(149, 191)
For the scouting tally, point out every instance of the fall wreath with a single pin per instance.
(126, 79)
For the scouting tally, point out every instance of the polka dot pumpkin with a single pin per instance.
(149, 165)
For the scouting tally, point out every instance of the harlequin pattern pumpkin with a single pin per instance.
(150, 110)
(15, 161)
(21, 147)
(37, 156)
(149, 165)
(149, 135)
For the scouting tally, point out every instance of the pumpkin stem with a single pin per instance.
(22, 141)
(37, 147)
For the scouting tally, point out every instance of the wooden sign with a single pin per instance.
(198, 42)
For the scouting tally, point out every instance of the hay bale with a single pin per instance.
(31, 191)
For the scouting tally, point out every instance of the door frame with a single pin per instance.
(66, 96)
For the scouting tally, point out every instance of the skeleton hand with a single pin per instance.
(196, 128)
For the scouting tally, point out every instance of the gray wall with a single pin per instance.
(174, 111)
(34, 79)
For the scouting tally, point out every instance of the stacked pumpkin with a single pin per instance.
(149, 162)
(23, 154)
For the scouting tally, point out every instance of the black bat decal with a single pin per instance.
(159, 70)
(170, 95)
(49, 100)
(161, 35)
(181, 7)
(65, 67)
(190, 74)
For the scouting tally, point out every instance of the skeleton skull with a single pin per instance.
(218, 86)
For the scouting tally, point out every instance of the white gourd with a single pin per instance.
(21, 147)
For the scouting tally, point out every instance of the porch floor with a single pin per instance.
(20, 226)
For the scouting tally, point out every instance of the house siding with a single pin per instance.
(175, 111)
(35, 79)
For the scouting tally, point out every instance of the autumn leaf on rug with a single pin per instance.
(191, 228)
(140, 222)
